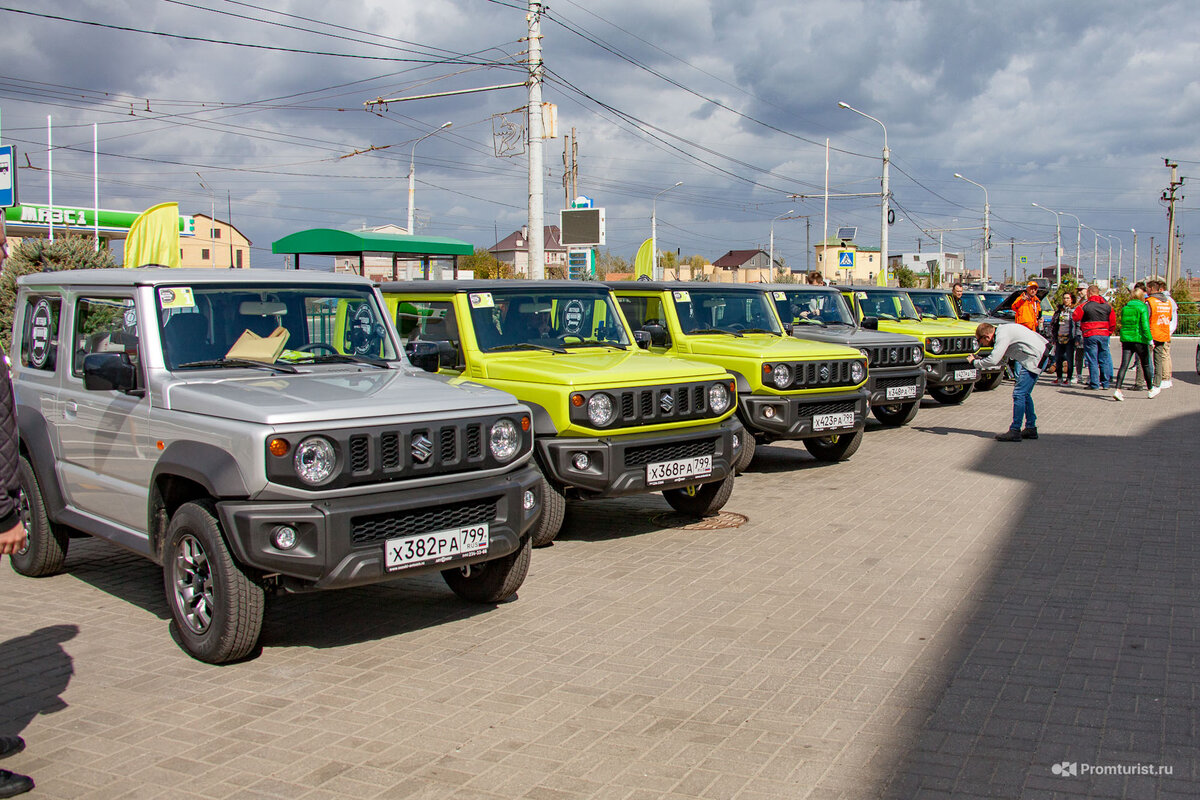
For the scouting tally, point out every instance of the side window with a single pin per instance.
(431, 321)
(39, 337)
(648, 314)
(104, 325)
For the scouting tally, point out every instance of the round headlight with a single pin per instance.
(504, 440)
(918, 355)
(858, 372)
(718, 398)
(781, 376)
(974, 343)
(315, 460)
(934, 345)
(600, 409)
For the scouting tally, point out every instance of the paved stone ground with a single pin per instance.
(941, 616)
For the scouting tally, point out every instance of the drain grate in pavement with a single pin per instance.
(725, 519)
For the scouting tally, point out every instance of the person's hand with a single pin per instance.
(970, 358)
(12, 540)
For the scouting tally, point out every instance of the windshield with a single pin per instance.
(716, 310)
(972, 304)
(886, 304)
(812, 307)
(933, 303)
(554, 320)
(993, 299)
(269, 322)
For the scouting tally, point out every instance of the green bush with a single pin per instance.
(42, 255)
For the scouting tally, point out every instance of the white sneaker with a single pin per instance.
(1117, 395)
(1165, 384)
(1154, 390)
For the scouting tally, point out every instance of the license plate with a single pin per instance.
(965, 374)
(901, 392)
(434, 548)
(824, 422)
(678, 470)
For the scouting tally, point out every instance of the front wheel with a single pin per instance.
(951, 395)
(554, 509)
(702, 500)
(989, 382)
(46, 546)
(749, 445)
(834, 448)
(491, 581)
(216, 607)
(896, 414)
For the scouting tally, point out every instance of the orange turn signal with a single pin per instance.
(577, 400)
(766, 368)
(278, 447)
(524, 423)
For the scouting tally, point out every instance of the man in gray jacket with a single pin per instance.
(1016, 343)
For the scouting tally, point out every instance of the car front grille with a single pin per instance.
(379, 527)
(895, 355)
(955, 345)
(822, 374)
(652, 405)
(653, 453)
(840, 407)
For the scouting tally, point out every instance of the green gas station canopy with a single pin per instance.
(326, 241)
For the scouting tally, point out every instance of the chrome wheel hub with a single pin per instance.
(191, 575)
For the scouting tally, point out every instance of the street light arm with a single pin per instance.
(849, 107)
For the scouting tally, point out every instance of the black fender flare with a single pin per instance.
(208, 465)
(34, 436)
(543, 424)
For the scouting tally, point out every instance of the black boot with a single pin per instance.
(12, 784)
(11, 745)
(1009, 436)
(1029, 433)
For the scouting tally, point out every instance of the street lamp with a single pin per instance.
(1134, 232)
(212, 223)
(654, 268)
(1078, 237)
(1095, 249)
(1057, 239)
(883, 222)
(1120, 257)
(412, 173)
(772, 254)
(987, 233)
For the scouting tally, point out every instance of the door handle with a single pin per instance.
(70, 408)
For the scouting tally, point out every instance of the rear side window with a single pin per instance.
(105, 325)
(39, 336)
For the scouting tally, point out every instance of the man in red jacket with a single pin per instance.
(1097, 321)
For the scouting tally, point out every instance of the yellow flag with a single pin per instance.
(643, 262)
(154, 237)
(881, 278)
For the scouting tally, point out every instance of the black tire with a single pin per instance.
(749, 446)
(989, 382)
(491, 581)
(896, 414)
(834, 448)
(701, 500)
(554, 509)
(951, 395)
(46, 546)
(216, 608)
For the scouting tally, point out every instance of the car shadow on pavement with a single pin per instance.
(1080, 647)
(36, 670)
(784, 457)
(941, 430)
(615, 518)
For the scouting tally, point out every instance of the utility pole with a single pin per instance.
(570, 168)
(1153, 259)
(536, 241)
(1012, 257)
(1169, 197)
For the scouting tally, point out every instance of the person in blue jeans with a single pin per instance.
(1097, 321)
(1016, 343)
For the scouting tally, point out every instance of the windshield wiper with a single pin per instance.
(344, 358)
(600, 344)
(524, 346)
(240, 362)
(701, 331)
(812, 321)
(761, 330)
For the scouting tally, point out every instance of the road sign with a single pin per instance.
(1024, 259)
(845, 259)
(8, 176)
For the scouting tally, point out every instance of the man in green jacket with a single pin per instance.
(1135, 338)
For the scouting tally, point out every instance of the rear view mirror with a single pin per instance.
(107, 372)
(424, 355)
(658, 334)
(871, 323)
(641, 339)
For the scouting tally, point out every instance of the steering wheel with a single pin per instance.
(311, 346)
(737, 326)
(578, 339)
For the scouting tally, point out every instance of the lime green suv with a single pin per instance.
(787, 388)
(949, 377)
(608, 419)
(937, 304)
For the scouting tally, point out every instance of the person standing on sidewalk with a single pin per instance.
(1160, 331)
(1096, 320)
(1027, 308)
(1065, 335)
(1135, 338)
(1024, 348)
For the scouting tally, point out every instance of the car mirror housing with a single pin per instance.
(641, 339)
(871, 323)
(106, 372)
(424, 355)
(658, 334)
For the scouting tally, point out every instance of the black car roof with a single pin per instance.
(491, 285)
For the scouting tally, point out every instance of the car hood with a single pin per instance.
(338, 397)
(1007, 304)
(766, 347)
(579, 369)
(852, 337)
(925, 327)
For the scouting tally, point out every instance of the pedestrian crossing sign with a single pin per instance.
(845, 259)
(1024, 259)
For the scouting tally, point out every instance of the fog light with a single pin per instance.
(581, 461)
(528, 500)
(737, 441)
(769, 412)
(283, 537)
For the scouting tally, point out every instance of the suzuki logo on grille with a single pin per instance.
(894, 354)
(824, 372)
(667, 403)
(422, 447)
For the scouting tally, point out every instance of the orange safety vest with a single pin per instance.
(1026, 312)
(1160, 318)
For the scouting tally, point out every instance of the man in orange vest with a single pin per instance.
(1160, 331)
(1027, 309)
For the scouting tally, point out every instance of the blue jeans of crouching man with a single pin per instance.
(1023, 397)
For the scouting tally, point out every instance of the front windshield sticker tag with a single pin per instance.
(481, 300)
(176, 297)
(861, 295)
(780, 295)
(682, 297)
(573, 316)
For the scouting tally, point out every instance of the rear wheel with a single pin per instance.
(491, 581)
(834, 448)
(46, 546)
(896, 414)
(554, 508)
(701, 500)
(989, 382)
(951, 395)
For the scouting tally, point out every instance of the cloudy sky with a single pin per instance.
(1072, 105)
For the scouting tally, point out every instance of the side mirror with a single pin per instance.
(871, 323)
(424, 355)
(965, 315)
(658, 334)
(107, 372)
(641, 339)
(788, 328)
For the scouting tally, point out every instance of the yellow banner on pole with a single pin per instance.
(643, 262)
(154, 238)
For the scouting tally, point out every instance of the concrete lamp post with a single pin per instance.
(1057, 239)
(412, 174)
(987, 233)
(772, 252)
(883, 222)
(654, 268)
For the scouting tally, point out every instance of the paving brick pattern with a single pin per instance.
(941, 616)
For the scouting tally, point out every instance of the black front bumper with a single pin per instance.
(340, 541)
(617, 464)
(883, 379)
(791, 416)
(941, 373)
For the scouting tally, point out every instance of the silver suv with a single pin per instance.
(258, 431)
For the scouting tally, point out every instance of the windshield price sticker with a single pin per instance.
(779, 295)
(682, 297)
(481, 300)
(176, 297)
